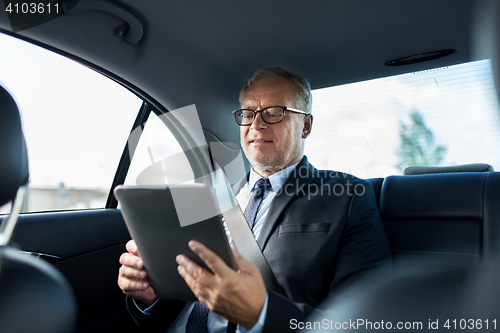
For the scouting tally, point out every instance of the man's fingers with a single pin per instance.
(201, 281)
(197, 278)
(138, 289)
(192, 269)
(238, 296)
(131, 247)
(212, 260)
(128, 285)
(130, 272)
(132, 278)
(130, 260)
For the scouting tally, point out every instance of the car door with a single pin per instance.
(79, 149)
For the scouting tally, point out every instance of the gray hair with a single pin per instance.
(303, 96)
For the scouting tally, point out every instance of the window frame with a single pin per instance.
(199, 165)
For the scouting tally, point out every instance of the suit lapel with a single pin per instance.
(296, 184)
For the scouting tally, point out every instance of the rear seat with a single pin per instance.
(445, 219)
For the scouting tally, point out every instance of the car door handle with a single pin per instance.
(48, 257)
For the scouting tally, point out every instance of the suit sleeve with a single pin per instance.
(163, 313)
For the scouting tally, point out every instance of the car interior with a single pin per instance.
(175, 54)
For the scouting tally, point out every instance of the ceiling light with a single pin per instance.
(420, 57)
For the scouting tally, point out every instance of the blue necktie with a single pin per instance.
(197, 322)
(255, 200)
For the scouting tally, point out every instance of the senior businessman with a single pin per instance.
(318, 230)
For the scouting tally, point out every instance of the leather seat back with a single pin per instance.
(14, 167)
(447, 219)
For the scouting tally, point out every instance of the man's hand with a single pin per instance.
(235, 295)
(132, 278)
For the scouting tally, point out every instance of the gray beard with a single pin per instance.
(271, 163)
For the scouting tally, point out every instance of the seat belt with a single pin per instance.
(243, 237)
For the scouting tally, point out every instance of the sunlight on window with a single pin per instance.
(159, 155)
(442, 116)
(76, 123)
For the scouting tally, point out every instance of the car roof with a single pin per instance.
(199, 52)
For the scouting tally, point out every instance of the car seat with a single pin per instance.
(34, 296)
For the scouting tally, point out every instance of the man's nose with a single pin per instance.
(258, 122)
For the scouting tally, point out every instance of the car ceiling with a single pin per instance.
(199, 52)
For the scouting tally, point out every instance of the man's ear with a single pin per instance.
(308, 123)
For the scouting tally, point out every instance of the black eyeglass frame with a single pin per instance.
(283, 108)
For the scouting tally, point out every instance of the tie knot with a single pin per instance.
(261, 186)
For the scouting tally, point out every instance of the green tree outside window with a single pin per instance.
(417, 144)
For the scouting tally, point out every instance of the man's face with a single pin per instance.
(273, 147)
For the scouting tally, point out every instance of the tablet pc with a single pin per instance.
(162, 220)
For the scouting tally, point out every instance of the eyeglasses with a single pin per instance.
(270, 115)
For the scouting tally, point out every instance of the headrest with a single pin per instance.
(14, 166)
(35, 295)
(423, 170)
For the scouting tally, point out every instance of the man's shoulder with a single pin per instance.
(308, 171)
(339, 176)
(307, 181)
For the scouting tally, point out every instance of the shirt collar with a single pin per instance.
(276, 179)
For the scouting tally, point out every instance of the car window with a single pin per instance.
(441, 116)
(158, 158)
(76, 123)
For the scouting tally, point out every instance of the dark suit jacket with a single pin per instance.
(322, 230)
